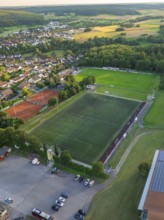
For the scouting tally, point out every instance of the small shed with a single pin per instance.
(4, 151)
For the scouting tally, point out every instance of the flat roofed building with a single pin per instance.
(152, 200)
(3, 213)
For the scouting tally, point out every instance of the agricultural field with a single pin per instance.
(149, 27)
(122, 196)
(155, 116)
(107, 31)
(125, 84)
(92, 115)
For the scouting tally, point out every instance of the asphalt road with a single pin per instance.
(33, 186)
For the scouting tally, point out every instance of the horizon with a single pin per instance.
(23, 3)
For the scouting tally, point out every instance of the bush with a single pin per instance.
(65, 157)
(144, 169)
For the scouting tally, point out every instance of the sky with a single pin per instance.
(64, 2)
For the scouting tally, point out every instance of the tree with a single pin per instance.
(144, 169)
(98, 168)
(26, 91)
(52, 101)
(90, 80)
(87, 29)
(63, 95)
(57, 151)
(65, 157)
(40, 85)
(5, 77)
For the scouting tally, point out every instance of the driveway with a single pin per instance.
(33, 186)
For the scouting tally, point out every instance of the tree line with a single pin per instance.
(10, 18)
(85, 10)
(124, 56)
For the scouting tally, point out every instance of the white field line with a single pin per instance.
(119, 97)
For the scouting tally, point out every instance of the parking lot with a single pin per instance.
(33, 186)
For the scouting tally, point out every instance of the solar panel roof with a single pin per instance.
(157, 184)
(161, 156)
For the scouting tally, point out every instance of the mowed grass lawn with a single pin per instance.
(126, 84)
(155, 115)
(119, 201)
(87, 126)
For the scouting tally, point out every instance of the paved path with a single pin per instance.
(143, 113)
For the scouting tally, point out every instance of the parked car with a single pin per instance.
(55, 170)
(86, 182)
(82, 212)
(81, 179)
(35, 161)
(64, 195)
(9, 200)
(91, 183)
(78, 216)
(59, 203)
(76, 177)
(61, 199)
(55, 207)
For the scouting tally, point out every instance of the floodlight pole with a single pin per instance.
(57, 102)
(14, 111)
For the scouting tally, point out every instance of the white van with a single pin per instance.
(35, 161)
(91, 183)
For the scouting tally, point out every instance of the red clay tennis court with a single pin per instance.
(29, 108)
(23, 110)
(42, 97)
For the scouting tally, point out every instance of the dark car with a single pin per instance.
(76, 177)
(81, 179)
(9, 200)
(19, 218)
(82, 212)
(65, 195)
(78, 216)
(55, 207)
(55, 170)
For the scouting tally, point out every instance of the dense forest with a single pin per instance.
(139, 58)
(86, 10)
(14, 18)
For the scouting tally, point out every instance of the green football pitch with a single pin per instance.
(87, 126)
(124, 84)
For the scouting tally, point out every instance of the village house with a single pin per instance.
(24, 84)
(5, 94)
(16, 79)
(34, 79)
(65, 72)
(4, 84)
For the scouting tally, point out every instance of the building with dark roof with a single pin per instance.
(152, 201)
